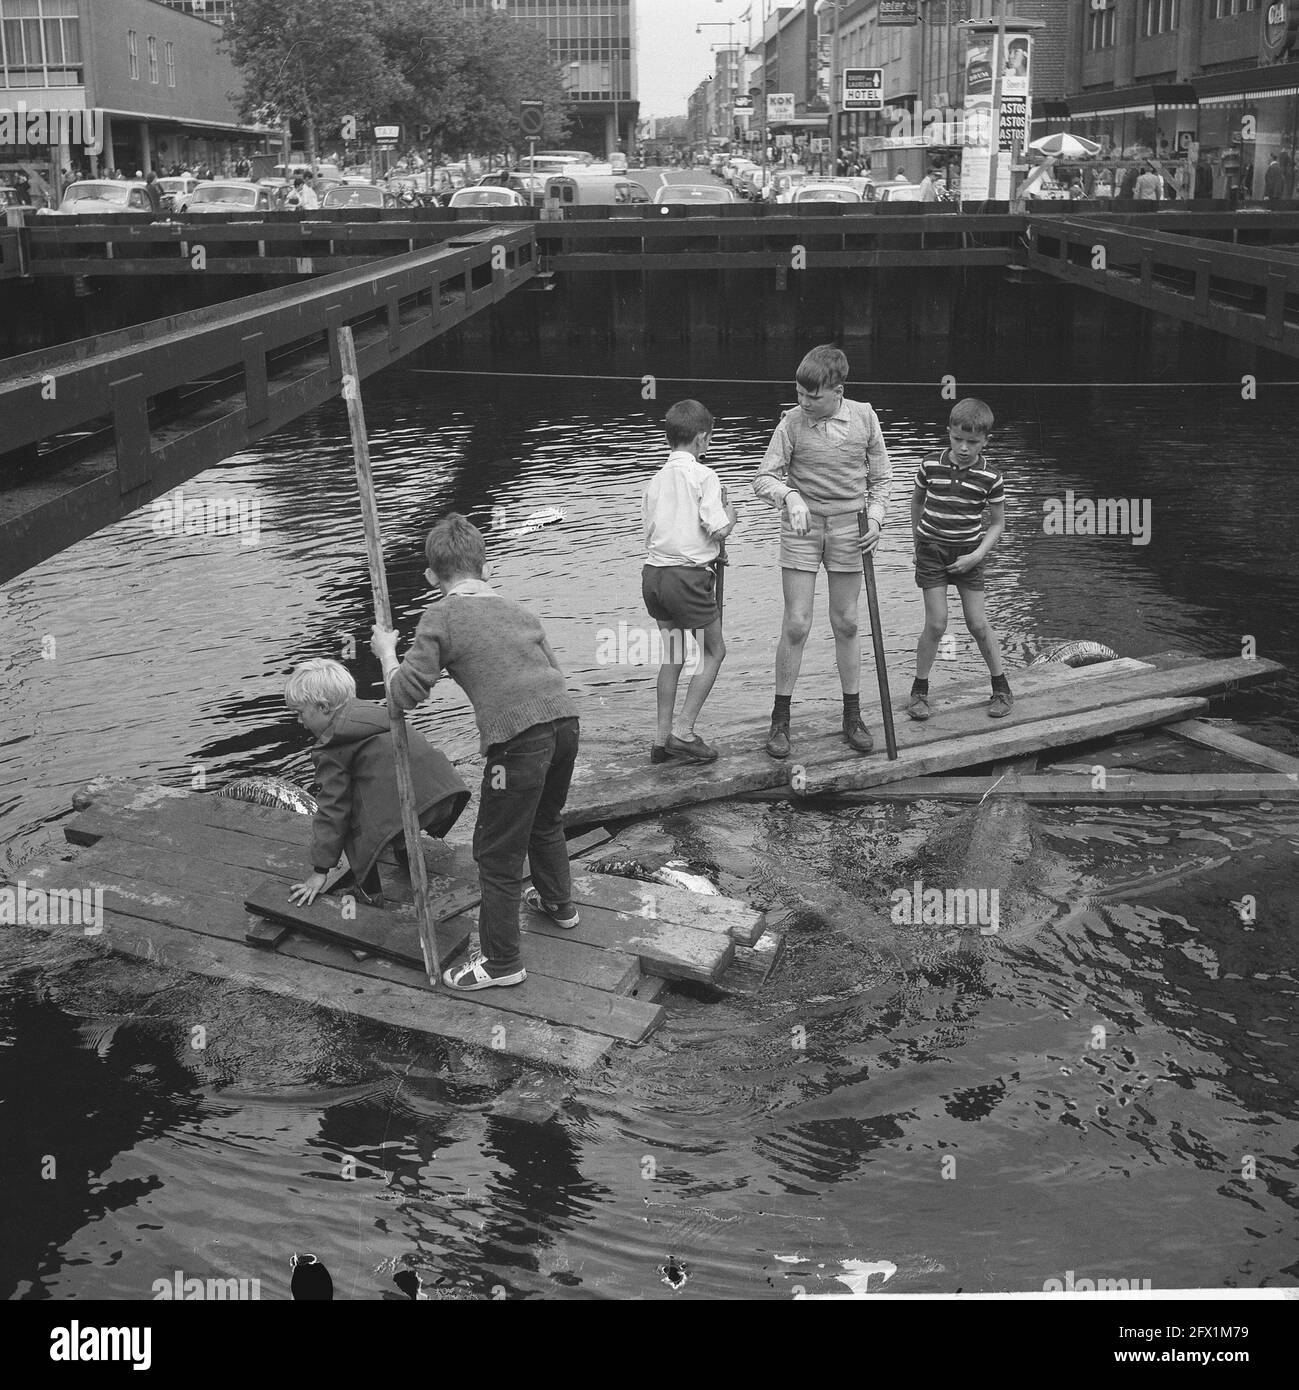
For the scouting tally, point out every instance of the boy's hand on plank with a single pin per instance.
(305, 893)
(383, 642)
(871, 539)
(800, 519)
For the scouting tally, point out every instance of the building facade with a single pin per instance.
(1212, 80)
(593, 42)
(114, 84)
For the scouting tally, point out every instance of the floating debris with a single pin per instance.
(1074, 654)
(271, 791)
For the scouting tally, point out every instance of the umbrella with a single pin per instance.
(1064, 146)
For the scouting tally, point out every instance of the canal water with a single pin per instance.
(1112, 1095)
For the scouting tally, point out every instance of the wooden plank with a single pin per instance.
(608, 785)
(664, 948)
(369, 994)
(753, 965)
(669, 903)
(1076, 789)
(1244, 749)
(390, 933)
(1004, 741)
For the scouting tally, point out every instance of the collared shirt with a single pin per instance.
(956, 497)
(680, 509)
(836, 465)
(471, 588)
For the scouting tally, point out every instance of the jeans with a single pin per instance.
(520, 815)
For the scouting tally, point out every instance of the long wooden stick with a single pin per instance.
(719, 567)
(383, 616)
(877, 641)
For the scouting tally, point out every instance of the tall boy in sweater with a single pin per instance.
(497, 652)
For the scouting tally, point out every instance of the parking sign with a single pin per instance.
(863, 89)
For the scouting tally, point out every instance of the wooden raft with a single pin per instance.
(181, 872)
(1055, 707)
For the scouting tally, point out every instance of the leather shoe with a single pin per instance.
(857, 736)
(778, 739)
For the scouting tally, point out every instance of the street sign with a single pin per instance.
(898, 12)
(743, 104)
(780, 106)
(531, 118)
(863, 89)
(387, 134)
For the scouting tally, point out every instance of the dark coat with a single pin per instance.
(359, 811)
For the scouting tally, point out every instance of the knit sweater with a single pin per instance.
(493, 649)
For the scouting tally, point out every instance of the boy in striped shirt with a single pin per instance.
(947, 518)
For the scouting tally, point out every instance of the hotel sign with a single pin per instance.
(863, 89)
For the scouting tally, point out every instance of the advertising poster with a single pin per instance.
(982, 62)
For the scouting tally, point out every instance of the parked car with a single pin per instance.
(101, 195)
(819, 191)
(12, 206)
(232, 195)
(900, 193)
(734, 168)
(781, 185)
(358, 195)
(749, 182)
(693, 194)
(176, 191)
(629, 191)
(487, 197)
(530, 186)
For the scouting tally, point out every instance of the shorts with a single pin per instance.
(932, 559)
(683, 595)
(832, 541)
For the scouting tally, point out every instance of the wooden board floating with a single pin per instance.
(1078, 789)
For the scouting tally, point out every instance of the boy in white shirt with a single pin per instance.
(686, 516)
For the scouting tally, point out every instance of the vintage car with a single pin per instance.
(488, 196)
(101, 195)
(825, 191)
(629, 191)
(233, 195)
(176, 190)
(358, 195)
(900, 193)
(694, 194)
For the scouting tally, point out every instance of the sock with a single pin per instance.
(919, 687)
(781, 708)
(1001, 683)
(680, 729)
(852, 707)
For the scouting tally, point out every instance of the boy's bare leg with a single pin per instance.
(932, 633)
(674, 658)
(976, 620)
(845, 590)
(800, 590)
(701, 683)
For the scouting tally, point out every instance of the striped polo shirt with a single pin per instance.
(955, 498)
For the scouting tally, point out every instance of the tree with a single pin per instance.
(316, 61)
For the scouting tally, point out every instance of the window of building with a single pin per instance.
(153, 59)
(1224, 9)
(171, 63)
(1100, 29)
(40, 43)
(133, 54)
(1158, 16)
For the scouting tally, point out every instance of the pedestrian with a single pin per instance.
(1128, 186)
(1149, 186)
(1203, 179)
(496, 651)
(1273, 181)
(302, 195)
(358, 809)
(826, 463)
(685, 518)
(947, 506)
(929, 187)
(153, 191)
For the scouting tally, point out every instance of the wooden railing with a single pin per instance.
(95, 429)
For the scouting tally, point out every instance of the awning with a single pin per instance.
(1178, 97)
(1223, 88)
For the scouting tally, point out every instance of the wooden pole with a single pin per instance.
(383, 616)
(877, 641)
(719, 567)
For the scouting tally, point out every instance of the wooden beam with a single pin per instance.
(1244, 749)
(1075, 789)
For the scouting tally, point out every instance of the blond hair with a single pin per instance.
(324, 683)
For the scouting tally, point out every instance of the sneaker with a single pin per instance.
(690, 750)
(778, 739)
(658, 753)
(918, 707)
(857, 736)
(1000, 705)
(473, 975)
(561, 914)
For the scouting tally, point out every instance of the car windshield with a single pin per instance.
(245, 196)
(99, 192)
(484, 195)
